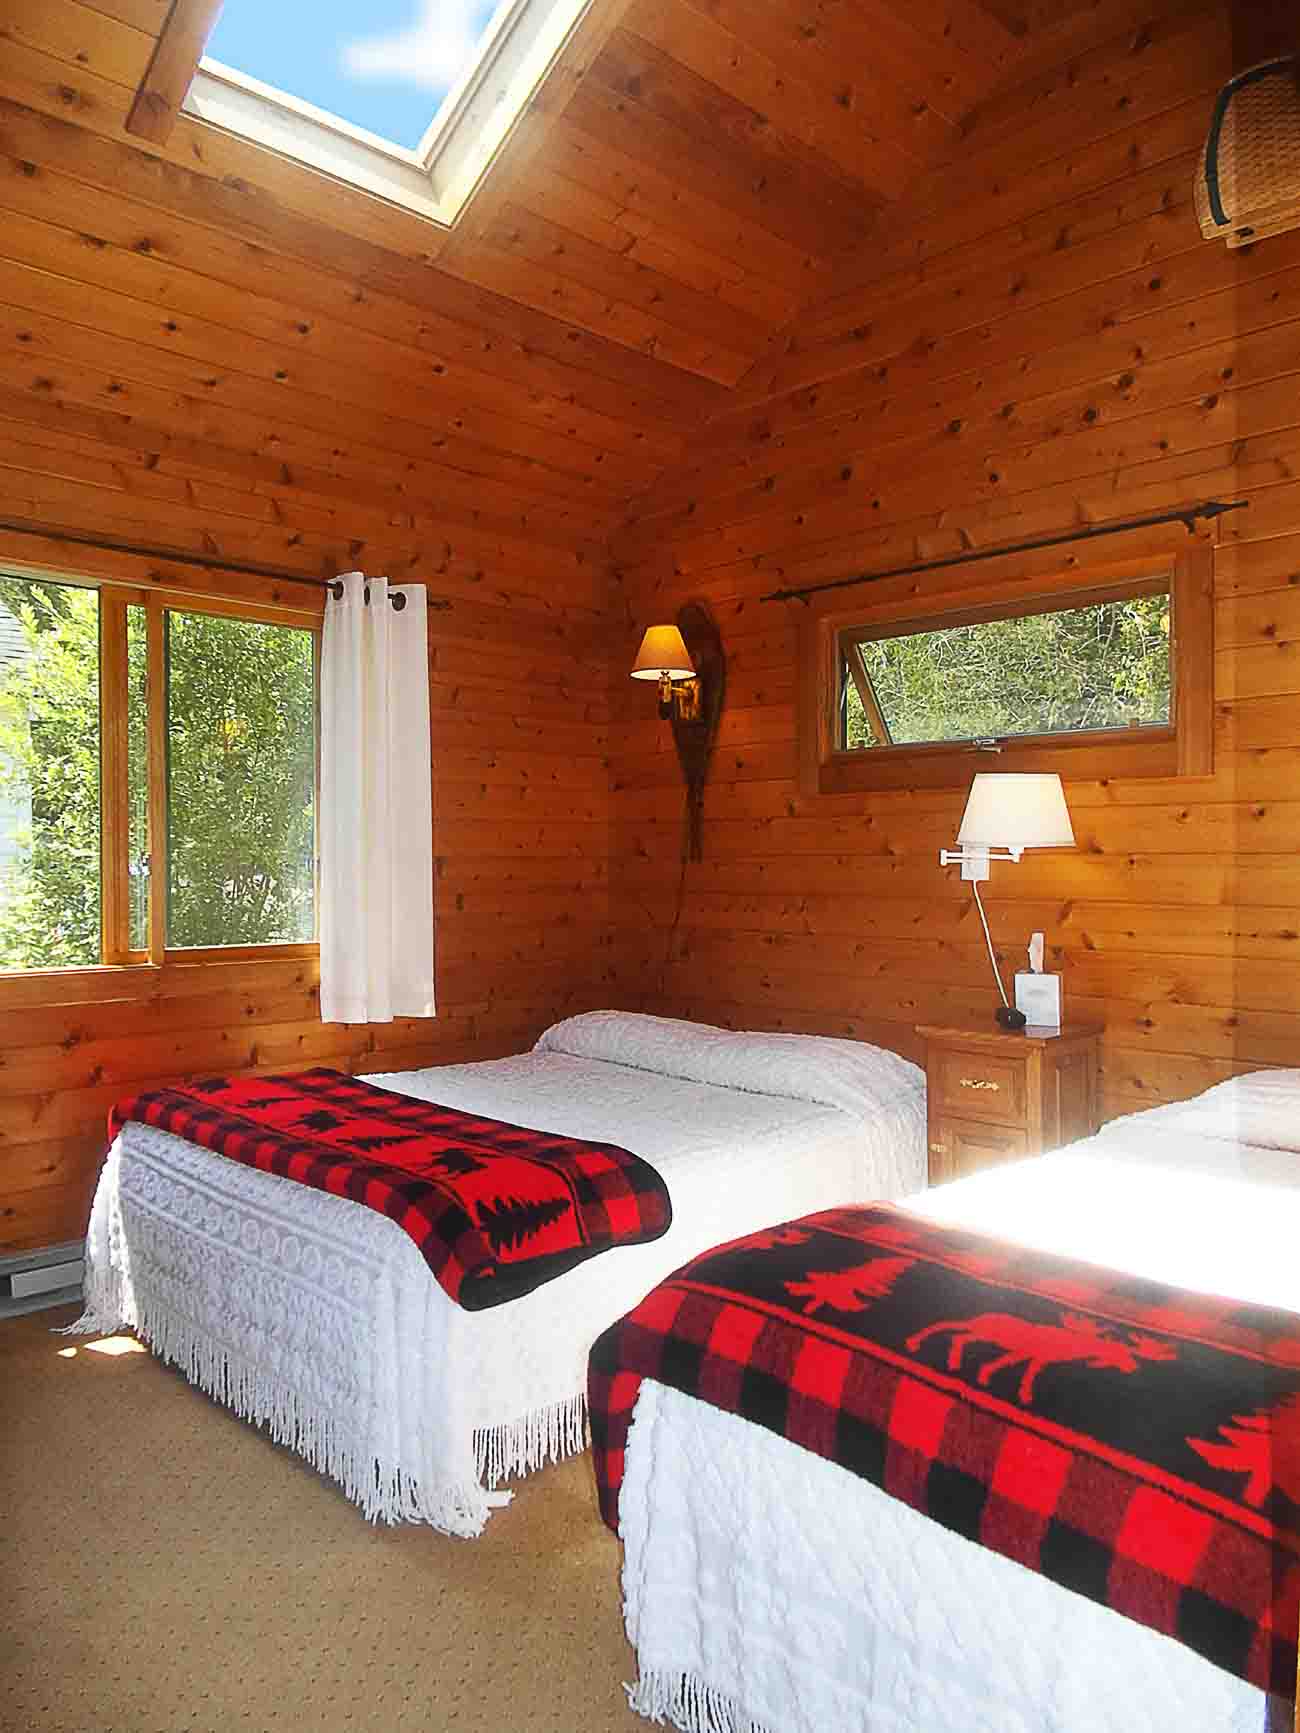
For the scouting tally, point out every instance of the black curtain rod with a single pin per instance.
(208, 562)
(1187, 515)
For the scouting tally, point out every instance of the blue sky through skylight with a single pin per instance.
(381, 64)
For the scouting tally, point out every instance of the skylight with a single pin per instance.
(384, 67)
(407, 99)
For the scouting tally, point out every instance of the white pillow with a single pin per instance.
(852, 1075)
(664, 1044)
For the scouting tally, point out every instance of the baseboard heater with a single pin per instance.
(49, 1277)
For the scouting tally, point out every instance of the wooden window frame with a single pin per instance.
(119, 961)
(1185, 747)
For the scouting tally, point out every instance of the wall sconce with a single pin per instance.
(688, 661)
(663, 656)
(1005, 815)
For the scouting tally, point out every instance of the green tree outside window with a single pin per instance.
(240, 708)
(49, 778)
(1106, 665)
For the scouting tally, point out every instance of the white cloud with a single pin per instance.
(433, 51)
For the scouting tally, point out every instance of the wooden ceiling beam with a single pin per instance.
(171, 70)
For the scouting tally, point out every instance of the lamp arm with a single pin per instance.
(988, 940)
(665, 694)
(972, 851)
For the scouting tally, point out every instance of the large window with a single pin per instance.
(1105, 676)
(157, 778)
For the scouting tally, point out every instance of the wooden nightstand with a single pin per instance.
(996, 1097)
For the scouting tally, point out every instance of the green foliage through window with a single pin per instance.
(49, 775)
(1106, 665)
(241, 773)
(240, 711)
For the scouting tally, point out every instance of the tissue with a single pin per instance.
(1039, 995)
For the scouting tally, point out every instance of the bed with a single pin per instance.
(318, 1318)
(769, 1590)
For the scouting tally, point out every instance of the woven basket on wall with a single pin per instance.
(1249, 180)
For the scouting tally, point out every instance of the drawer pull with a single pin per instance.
(980, 1083)
(938, 1149)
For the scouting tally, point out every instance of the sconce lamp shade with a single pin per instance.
(663, 652)
(1016, 812)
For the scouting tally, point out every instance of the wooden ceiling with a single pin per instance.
(236, 351)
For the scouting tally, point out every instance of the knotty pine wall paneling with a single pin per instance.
(664, 296)
(1043, 339)
(222, 365)
(520, 841)
(206, 347)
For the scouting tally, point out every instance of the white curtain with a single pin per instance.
(376, 806)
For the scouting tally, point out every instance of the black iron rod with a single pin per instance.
(1187, 515)
(176, 556)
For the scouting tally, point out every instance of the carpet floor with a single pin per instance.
(166, 1569)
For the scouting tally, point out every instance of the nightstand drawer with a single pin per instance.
(958, 1148)
(981, 1085)
(998, 1096)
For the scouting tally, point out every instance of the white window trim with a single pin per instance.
(521, 43)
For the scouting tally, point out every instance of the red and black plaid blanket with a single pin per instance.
(495, 1209)
(1137, 1443)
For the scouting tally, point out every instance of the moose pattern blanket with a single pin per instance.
(495, 1209)
(1136, 1443)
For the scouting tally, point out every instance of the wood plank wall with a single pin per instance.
(267, 370)
(209, 347)
(521, 895)
(1042, 339)
(212, 349)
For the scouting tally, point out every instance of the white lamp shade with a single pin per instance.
(663, 652)
(1016, 811)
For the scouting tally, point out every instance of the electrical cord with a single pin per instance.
(676, 922)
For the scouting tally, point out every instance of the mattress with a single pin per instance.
(769, 1591)
(319, 1318)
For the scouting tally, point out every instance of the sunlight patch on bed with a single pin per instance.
(1220, 1221)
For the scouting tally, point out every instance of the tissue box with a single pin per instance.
(1039, 997)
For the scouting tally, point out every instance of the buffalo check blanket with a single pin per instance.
(495, 1209)
(1137, 1443)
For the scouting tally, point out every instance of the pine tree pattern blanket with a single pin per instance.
(495, 1209)
(1135, 1442)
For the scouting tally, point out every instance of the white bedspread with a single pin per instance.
(320, 1318)
(769, 1591)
